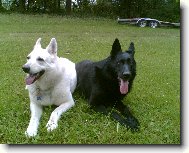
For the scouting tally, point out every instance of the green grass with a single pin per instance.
(154, 100)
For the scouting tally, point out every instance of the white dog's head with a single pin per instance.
(40, 60)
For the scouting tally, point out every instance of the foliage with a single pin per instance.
(167, 10)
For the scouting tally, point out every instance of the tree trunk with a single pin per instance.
(68, 6)
(22, 5)
(58, 5)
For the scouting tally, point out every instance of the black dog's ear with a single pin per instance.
(116, 48)
(131, 49)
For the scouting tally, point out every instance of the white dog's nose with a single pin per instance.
(26, 68)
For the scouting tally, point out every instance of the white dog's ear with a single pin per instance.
(52, 47)
(38, 43)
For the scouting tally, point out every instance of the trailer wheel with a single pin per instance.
(142, 23)
(153, 24)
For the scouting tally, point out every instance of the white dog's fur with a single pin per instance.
(55, 86)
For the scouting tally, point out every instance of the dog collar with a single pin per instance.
(39, 96)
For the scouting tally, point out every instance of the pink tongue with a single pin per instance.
(30, 79)
(124, 87)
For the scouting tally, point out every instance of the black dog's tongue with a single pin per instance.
(30, 79)
(124, 86)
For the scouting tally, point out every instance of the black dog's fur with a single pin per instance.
(100, 83)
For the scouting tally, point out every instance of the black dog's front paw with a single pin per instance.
(132, 123)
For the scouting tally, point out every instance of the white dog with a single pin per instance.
(50, 80)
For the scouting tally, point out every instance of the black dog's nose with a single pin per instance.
(26, 68)
(126, 75)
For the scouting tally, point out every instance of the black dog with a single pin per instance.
(107, 82)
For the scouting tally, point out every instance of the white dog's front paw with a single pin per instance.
(51, 125)
(30, 133)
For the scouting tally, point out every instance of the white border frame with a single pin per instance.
(183, 148)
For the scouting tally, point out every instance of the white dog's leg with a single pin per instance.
(55, 115)
(36, 112)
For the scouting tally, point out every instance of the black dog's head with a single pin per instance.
(124, 65)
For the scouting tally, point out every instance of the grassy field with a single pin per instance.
(154, 100)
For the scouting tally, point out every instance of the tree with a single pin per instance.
(166, 10)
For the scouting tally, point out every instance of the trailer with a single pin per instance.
(143, 22)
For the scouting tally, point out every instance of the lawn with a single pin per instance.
(154, 100)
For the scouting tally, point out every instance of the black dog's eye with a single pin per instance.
(40, 59)
(120, 62)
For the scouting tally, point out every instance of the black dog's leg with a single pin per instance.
(102, 109)
(95, 102)
(130, 121)
(118, 118)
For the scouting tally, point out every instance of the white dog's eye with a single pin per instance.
(40, 59)
(28, 57)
